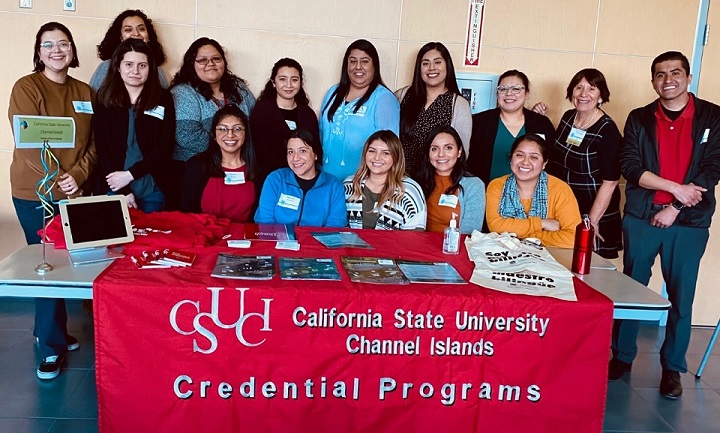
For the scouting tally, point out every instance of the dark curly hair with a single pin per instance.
(112, 38)
(229, 82)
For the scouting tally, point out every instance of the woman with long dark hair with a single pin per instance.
(283, 107)
(202, 86)
(132, 23)
(433, 99)
(134, 128)
(449, 189)
(221, 180)
(355, 108)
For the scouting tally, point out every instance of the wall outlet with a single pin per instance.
(69, 5)
(26, 4)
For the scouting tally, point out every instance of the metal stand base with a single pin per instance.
(43, 268)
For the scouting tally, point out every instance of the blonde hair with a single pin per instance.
(393, 189)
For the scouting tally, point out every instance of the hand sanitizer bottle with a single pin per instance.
(451, 241)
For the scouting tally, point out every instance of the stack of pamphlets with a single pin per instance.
(341, 240)
(308, 269)
(430, 272)
(373, 270)
(165, 258)
(244, 267)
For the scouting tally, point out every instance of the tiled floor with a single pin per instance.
(69, 403)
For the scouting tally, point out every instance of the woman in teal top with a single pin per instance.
(354, 109)
(495, 130)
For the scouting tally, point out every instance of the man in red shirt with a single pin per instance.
(670, 158)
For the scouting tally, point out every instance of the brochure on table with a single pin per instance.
(373, 270)
(300, 268)
(341, 240)
(244, 267)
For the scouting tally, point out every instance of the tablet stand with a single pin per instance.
(44, 193)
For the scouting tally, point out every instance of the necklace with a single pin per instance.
(589, 120)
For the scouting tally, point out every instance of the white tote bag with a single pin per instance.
(506, 263)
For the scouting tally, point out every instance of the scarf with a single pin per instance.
(510, 205)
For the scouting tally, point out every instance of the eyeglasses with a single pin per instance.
(224, 130)
(513, 90)
(62, 45)
(205, 60)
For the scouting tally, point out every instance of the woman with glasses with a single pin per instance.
(528, 201)
(201, 87)
(495, 130)
(449, 190)
(134, 128)
(302, 194)
(433, 99)
(50, 91)
(380, 195)
(221, 180)
(283, 107)
(129, 24)
(585, 154)
(355, 108)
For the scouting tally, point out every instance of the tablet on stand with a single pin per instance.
(92, 224)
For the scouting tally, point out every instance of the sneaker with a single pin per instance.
(72, 343)
(49, 367)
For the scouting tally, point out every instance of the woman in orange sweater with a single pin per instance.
(529, 202)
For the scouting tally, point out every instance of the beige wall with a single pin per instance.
(550, 41)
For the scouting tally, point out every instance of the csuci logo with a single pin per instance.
(214, 315)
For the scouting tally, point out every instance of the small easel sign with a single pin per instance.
(45, 133)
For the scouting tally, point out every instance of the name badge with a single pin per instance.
(157, 112)
(289, 202)
(575, 137)
(234, 178)
(292, 125)
(448, 200)
(705, 136)
(84, 107)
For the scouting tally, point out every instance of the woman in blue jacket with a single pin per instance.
(303, 194)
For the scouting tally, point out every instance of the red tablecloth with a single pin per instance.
(180, 351)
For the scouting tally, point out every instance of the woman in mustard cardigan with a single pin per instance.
(529, 202)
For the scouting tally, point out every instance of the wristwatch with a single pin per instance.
(677, 204)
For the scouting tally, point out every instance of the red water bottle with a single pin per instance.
(582, 252)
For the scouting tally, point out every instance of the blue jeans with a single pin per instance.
(50, 314)
(153, 202)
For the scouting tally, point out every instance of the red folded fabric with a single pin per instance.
(159, 229)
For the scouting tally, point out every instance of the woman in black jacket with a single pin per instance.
(495, 130)
(134, 129)
(283, 107)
